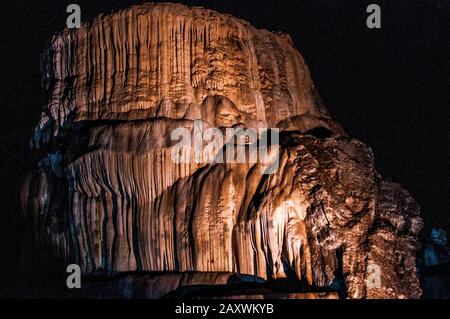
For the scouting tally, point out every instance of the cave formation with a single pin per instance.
(105, 193)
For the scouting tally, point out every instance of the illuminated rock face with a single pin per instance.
(109, 196)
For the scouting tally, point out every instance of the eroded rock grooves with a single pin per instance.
(108, 196)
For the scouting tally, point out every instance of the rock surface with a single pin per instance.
(106, 193)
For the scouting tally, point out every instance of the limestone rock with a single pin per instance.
(107, 194)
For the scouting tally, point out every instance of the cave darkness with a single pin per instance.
(388, 87)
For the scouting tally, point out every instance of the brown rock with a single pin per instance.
(110, 197)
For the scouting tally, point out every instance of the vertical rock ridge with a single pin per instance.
(111, 198)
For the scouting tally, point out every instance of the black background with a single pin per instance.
(389, 88)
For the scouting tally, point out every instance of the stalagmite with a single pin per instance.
(107, 194)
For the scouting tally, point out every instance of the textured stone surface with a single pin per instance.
(107, 195)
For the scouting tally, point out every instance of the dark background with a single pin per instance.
(389, 88)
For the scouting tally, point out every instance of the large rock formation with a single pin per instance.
(108, 195)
